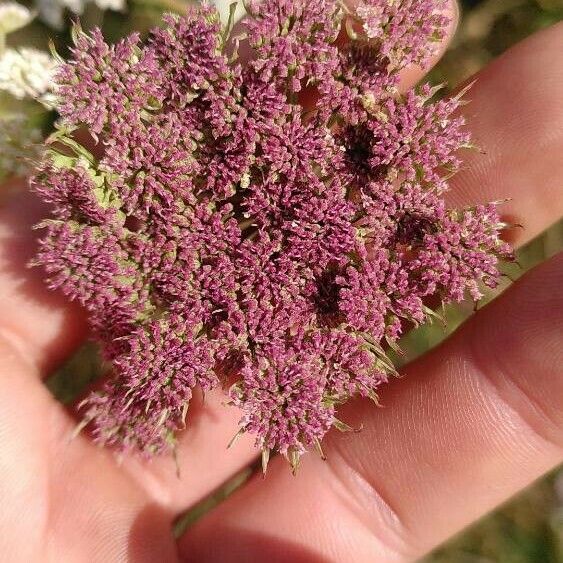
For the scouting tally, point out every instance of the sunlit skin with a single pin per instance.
(470, 424)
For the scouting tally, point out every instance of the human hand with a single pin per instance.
(472, 423)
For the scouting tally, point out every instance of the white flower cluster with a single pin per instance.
(27, 73)
(13, 16)
(24, 72)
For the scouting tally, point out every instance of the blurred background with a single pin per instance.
(528, 529)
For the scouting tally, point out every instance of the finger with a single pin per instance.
(62, 498)
(43, 326)
(202, 462)
(410, 75)
(473, 422)
(46, 469)
(515, 116)
(413, 74)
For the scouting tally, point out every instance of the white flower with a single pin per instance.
(13, 16)
(27, 73)
(224, 6)
(52, 11)
(19, 145)
(115, 5)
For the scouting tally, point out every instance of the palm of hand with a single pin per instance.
(475, 421)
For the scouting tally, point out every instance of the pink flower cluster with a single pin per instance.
(224, 236)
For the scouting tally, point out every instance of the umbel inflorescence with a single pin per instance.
(229, 235)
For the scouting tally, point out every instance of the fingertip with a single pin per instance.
(515, 119)
(414, 73)
(42, 322)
